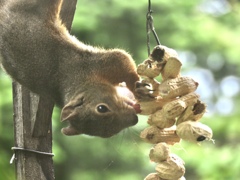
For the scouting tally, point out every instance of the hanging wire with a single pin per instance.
(150, 27)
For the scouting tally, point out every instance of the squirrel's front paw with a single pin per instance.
(146, 89)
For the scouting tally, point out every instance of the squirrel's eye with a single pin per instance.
(102, 109)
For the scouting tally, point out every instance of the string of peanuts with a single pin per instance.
(174, 111)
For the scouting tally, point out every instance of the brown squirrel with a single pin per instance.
(37, 50)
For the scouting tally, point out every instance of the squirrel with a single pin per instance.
(37, 50)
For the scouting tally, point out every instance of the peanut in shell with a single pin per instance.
(152, 105)
(159, 119)
(176, 107)
(193, 112)
(155, 135)
(160, 152)
(162, 53)
(171, 69)
(153, 176)
(194, 131)
(149, 68)
(172, 88)
(171, 169)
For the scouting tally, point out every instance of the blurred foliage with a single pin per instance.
(206, 35)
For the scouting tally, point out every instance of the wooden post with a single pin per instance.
(33, 126)
(31, 165)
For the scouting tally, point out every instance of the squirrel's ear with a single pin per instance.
(69, 111)
(70, 131)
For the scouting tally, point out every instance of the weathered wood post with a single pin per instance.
(33, 126)
(30, 113)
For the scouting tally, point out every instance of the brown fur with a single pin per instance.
(37, 51)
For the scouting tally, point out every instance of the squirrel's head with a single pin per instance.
(100, 110)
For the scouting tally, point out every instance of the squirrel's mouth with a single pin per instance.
(129, 98)
(135, 106)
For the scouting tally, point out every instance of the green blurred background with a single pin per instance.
(206, 34)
